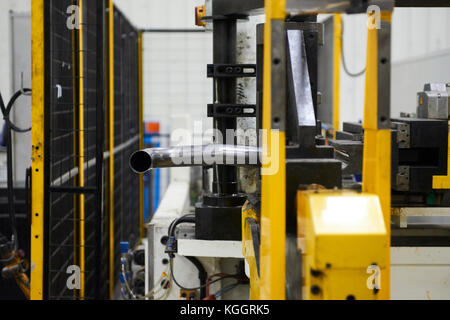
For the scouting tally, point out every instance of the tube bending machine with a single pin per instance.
(311, 231)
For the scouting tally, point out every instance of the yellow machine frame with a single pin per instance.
(376, 163)
(37, 143)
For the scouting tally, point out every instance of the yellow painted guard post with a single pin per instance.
(273, 186)
(81, 151)
(443, 182)
(377, 146)
(111, 148)
(337, 45)
(37, 142)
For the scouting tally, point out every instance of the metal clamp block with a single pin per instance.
(231, 70)
(231, 110)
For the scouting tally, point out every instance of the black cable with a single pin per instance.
(202, 275)
(188, 218)
(195, 288)
(9, 126)
(344, 64)
(171, 241)
(222, 291)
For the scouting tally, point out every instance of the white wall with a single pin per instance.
(174, 79)
(420, 54)
(174, 64)
(5, 44)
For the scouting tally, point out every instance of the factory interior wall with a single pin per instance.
(175, 82)
(18, 6)
(420, 45)
(174, 64)
(420, 52)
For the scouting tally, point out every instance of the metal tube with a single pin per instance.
(187, 156)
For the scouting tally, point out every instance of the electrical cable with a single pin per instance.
(213, 276)
(152, 292)
(11, 203)
(202, 275)
(344, 64)
(195, 288)
(226, 289)
(126, 282)
(188, 218)
(170, 244)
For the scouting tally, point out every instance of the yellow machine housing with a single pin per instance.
(344, 244)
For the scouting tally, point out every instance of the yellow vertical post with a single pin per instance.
(337, 46)
(111, 148)
(443, 182)
(273, 186)
(37, 142)
(377, 143)
(81, 151)
(141, 137)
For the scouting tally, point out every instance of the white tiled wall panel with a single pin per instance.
(417, 34)
(175, 74)
(5, 44)
(174, 63)
(420, 53)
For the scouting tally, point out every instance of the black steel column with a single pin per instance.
(218, 215)
(224, 52)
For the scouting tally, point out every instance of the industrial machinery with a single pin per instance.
(289, 207)
(318, 225)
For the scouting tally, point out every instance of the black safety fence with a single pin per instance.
(126, 131)
(78, 168)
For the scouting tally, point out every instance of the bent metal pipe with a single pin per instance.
(188, 156)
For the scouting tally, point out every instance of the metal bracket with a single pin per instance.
(402, 178)
(231, 110)
(231, 70)
(403, 135)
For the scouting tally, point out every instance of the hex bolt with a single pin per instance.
(315, 290)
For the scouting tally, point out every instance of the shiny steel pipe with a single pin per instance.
(188, 156)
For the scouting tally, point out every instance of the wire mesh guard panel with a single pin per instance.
(77, 197)
(71, 123)
(126, 133)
